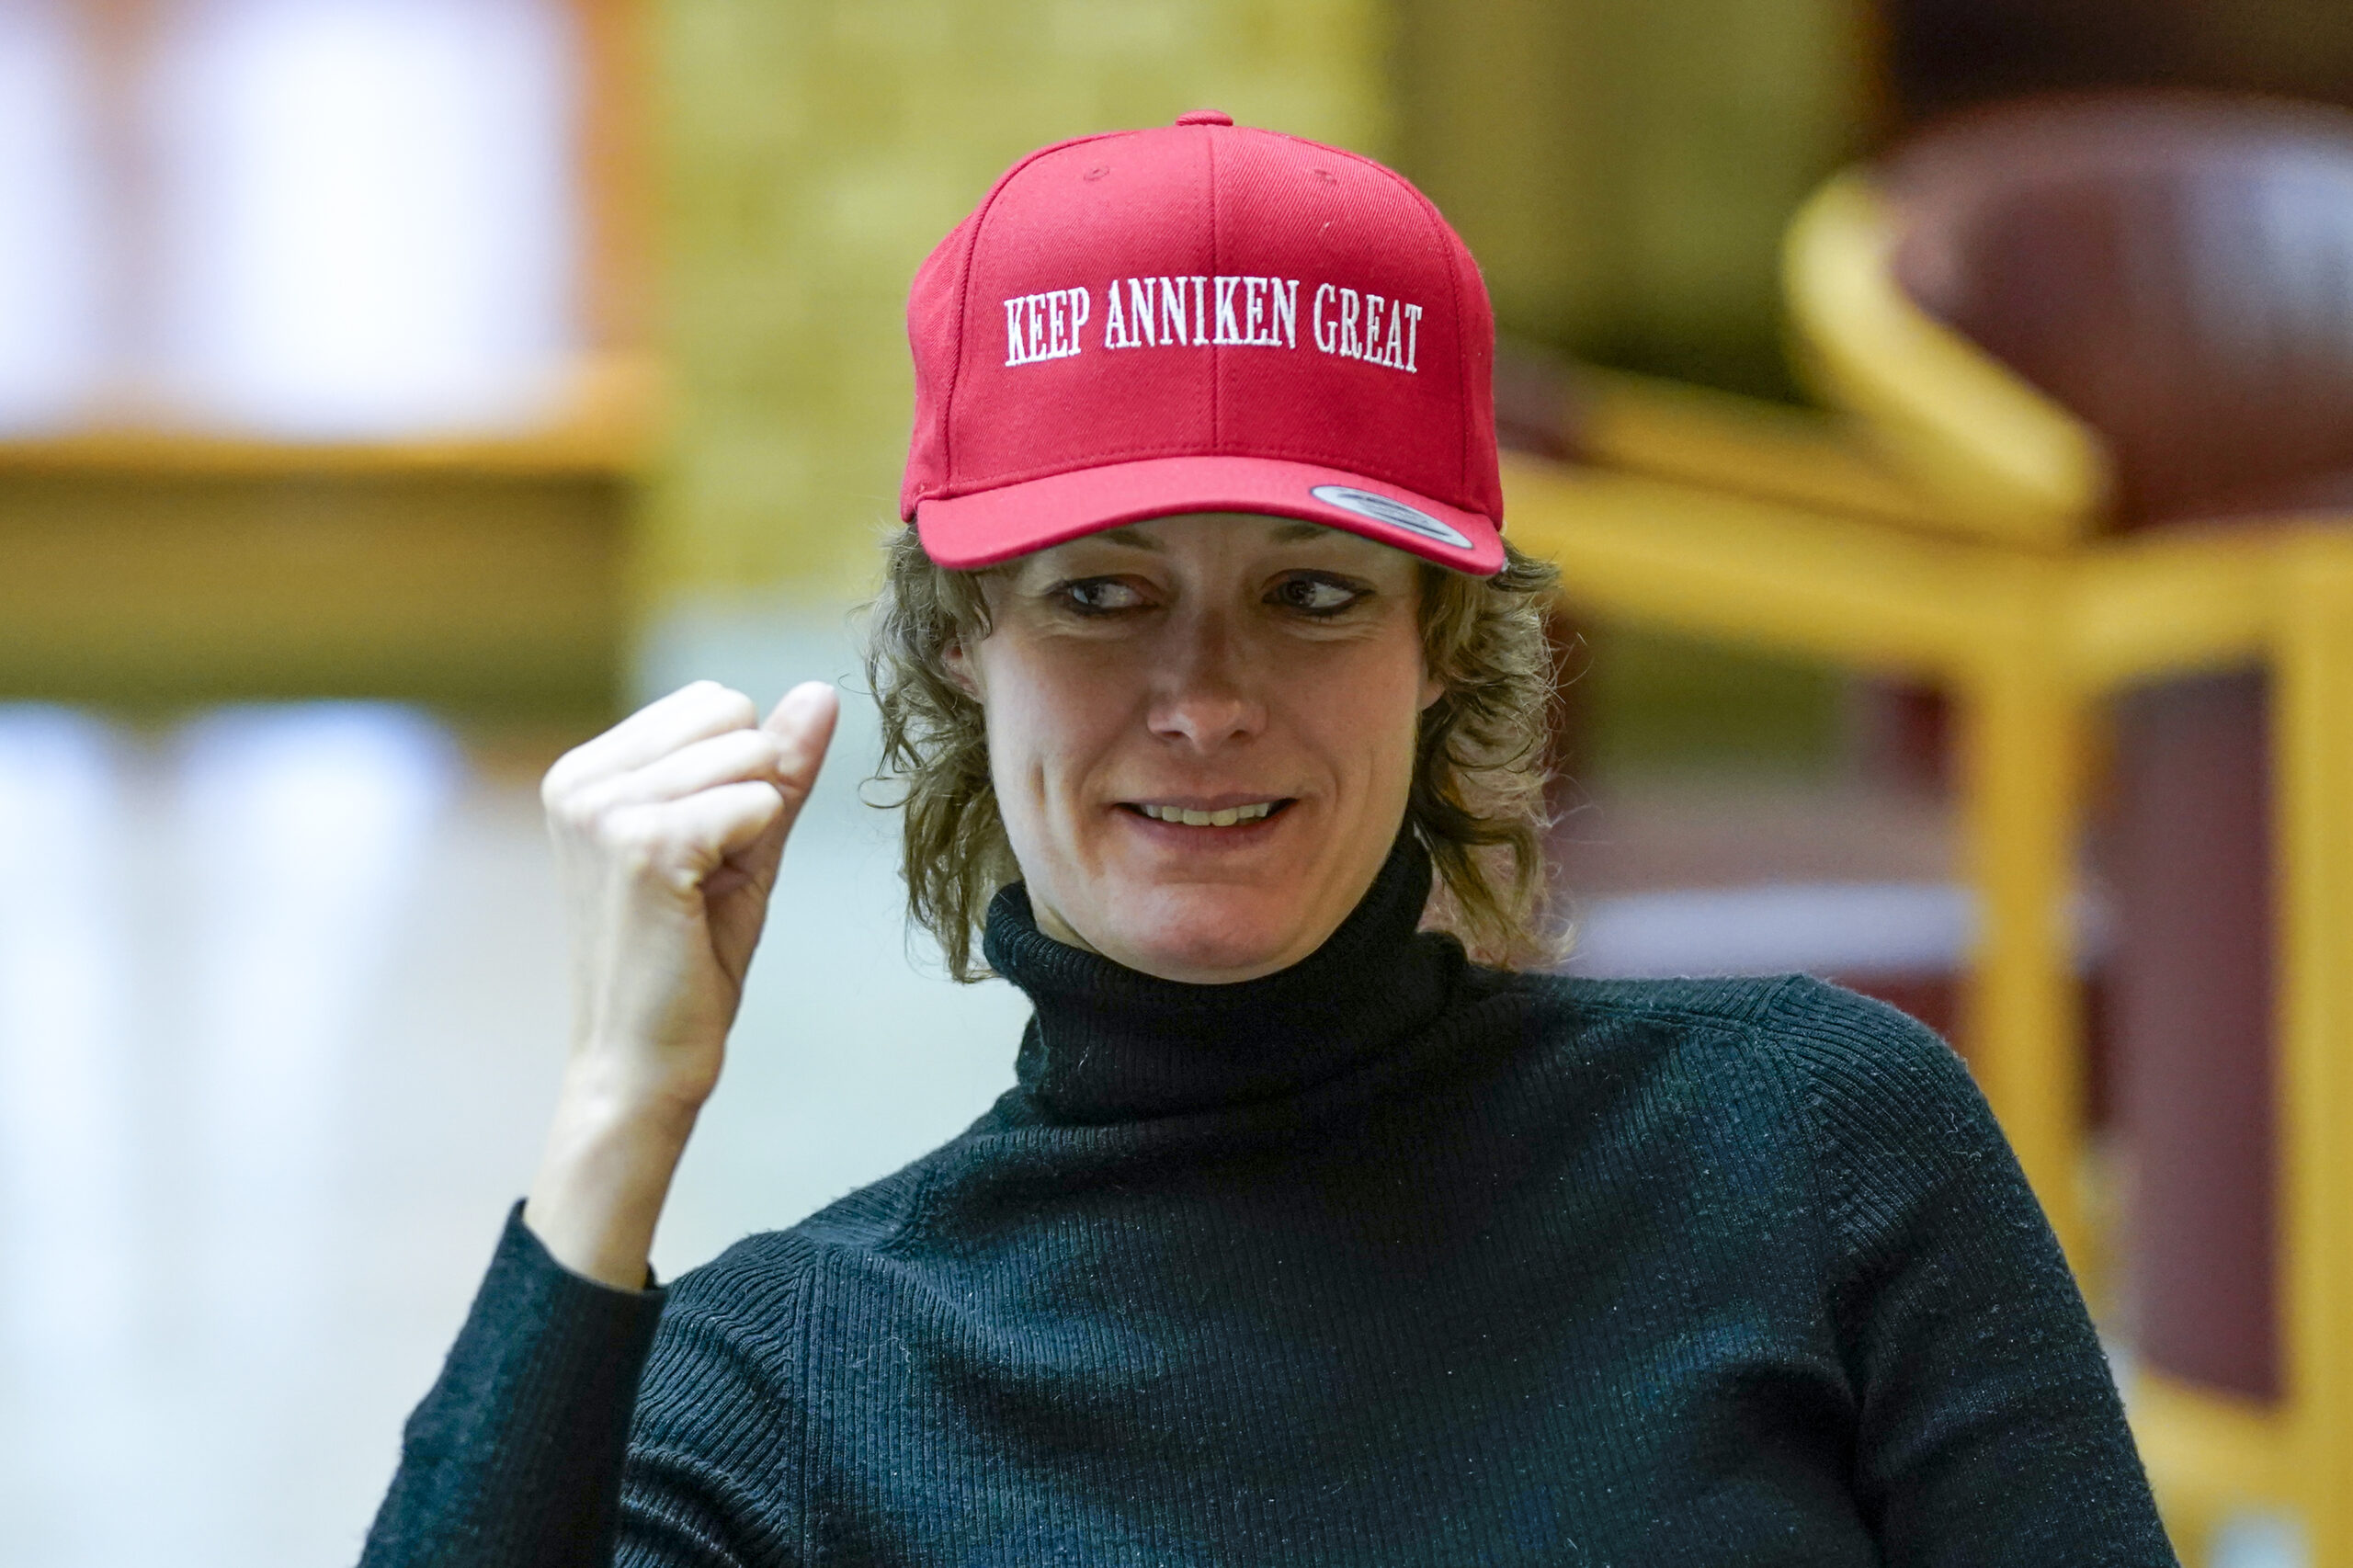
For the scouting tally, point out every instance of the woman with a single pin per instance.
(1302, 1238)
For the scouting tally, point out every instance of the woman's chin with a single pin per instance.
(1210, 941)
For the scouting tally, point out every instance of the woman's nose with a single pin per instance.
(1204, 694)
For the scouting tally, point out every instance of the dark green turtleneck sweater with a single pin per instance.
(1384, 1259)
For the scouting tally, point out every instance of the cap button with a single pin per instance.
(1204, 116)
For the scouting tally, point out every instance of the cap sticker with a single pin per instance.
(1396, 512)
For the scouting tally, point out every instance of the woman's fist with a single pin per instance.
(669, 830)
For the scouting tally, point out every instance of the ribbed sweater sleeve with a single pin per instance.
(1989, 1427)
(513, 1460)
(714, 1475)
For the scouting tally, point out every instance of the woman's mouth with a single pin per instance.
(1238, 815)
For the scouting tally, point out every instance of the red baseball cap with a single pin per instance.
(1202, 318)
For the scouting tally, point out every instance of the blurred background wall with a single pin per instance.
(1623, 171)
(818, 151)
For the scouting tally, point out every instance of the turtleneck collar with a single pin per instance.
(1111, 1044)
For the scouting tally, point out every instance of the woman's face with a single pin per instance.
(1201, 733)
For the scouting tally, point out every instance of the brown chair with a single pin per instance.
(2175, 270)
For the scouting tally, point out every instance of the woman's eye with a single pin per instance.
(1100, 595)
(1316, 595)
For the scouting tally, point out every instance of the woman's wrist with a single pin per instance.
(603, 1176)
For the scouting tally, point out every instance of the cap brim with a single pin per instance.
(989, 526)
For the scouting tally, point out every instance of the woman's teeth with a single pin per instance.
(1226, 818)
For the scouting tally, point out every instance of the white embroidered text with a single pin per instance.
(1365, 327)
(1044, 327)
(1196, 311)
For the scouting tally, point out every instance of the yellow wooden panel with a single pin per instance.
(1734, 567)
(2152, 604)
(2009, 463)
(2207, 1452)
(2312, 726)
(610, 422)
(2019, 742)
(1797, 572)
(503, 594)
(1744, 445)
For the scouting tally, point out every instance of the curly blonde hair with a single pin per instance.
(1476, 802)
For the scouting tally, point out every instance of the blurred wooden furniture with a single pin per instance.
(2130, 316)
(2105, 349)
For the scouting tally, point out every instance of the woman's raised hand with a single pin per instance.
(669, 830)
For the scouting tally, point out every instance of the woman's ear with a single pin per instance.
(960, 669)
(1432, 689)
